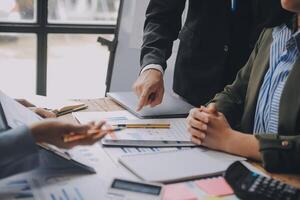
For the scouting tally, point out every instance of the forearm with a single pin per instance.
(18, 151)
(25, 103)
(245, 145)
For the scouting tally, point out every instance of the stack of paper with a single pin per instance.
(176, 135)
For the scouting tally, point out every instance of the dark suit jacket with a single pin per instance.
(238, 103)
(215, 42)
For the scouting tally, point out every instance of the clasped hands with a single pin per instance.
(209, 128)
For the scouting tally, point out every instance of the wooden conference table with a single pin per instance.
(105, 104)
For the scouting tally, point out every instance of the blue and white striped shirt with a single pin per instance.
(283, 54)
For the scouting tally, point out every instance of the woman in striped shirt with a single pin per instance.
(263, 101)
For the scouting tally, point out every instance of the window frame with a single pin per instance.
(42, 28)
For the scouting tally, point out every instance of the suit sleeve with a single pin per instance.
(161, 28)
(18, 151)
(231, 101)
(280, 153)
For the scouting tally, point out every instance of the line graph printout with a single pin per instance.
(176, 132)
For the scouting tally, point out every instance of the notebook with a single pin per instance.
(179, 165)
(58, 106)
(171, 106)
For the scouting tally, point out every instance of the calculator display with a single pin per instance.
(136, 187)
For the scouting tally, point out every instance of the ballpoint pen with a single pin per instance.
(142, 126)
(233, 5)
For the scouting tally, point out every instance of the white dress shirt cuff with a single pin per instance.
(153, 66)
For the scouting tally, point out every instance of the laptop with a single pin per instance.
(13, 114)
(171, 107)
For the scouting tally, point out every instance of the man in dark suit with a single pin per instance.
(215, 42)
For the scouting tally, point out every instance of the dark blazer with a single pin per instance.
(238, 103)
(215, 42)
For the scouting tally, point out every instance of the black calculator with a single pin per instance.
(249, 185)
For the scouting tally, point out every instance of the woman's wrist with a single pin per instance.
(232, 138)
(253, 150)
(242, 144)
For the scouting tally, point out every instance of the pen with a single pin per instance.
(233, 5)
(142, 125)
(152, 97)
(76, 137)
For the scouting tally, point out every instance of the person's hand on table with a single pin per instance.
(43, 112)
(54, 131)
(149, 87)
(209, 128)
(25, 102)
(39, 111)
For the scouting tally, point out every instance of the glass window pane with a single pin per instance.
(18, 11)
(77, 66)
(83, 11)
(18, 64)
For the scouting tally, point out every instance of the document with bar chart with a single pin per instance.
(36, 186)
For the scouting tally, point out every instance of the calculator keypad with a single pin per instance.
(269, 188)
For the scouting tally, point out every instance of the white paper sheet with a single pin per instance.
(51, 103)
(116, 153)
(86, 117)
(16, 114)
(41, 185)
(177, 131)
(177, 165)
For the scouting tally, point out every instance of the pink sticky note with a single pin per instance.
(215, 186)
(178, 192)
